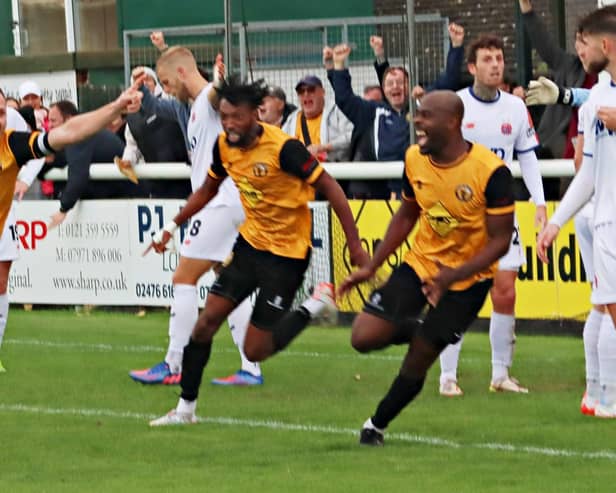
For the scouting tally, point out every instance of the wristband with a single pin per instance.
(565, 96)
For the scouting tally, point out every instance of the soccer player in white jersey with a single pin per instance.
(9, 239)
(597, 175)
(500, 122)
(211, 233)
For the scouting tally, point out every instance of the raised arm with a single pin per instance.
(82, 126)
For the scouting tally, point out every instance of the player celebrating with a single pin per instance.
(500, 122)
(461, 195)
(17, 148)
(597, 175)
(276, 177)
(211, 233)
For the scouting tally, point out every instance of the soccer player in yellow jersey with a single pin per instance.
(461, 196)
(276, 177)
(16, 148)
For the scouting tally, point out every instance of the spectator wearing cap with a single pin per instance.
(325, 131)
(30, 94)
(275, 109)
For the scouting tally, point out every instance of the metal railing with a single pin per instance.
(282, 52)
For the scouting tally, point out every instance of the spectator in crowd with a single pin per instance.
(383, 128)
(373, 93)
(275, 109)
(558, 124)
(30, 94)
(100, 148)
(324, 130)
(450, 79)
(154, 139)
(12, 103)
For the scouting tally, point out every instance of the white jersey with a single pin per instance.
(502, 125)
(203, 129)
(583, 116)
(600, 145)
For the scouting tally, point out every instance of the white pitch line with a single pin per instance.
(155, 349)
(329, 430)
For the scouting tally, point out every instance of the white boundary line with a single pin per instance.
(102, 347)
(329, 430)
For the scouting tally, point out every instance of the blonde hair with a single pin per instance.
(177, 55)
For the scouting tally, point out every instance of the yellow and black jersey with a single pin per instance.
(16, 149)
(454, 200)
(274, 178)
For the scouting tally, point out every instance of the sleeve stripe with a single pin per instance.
(33, 137)
(316, 173)
(407, 198)
(587, 154)
(499, 211)
(526, 150)
(214, 175)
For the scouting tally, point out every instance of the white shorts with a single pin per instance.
(583, 234)
(9, 241)
(514, 258)
(604, 260)
(212, 233)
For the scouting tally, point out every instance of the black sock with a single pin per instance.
(289, 327)
(402, 391)
(196, 356)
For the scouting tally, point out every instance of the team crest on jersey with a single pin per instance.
(193, 116)
(469, 125)
(506, 128)
(441, 220)
(249, 192)
(464, 193)
(259, 169)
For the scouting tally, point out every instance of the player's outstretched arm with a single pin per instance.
(82, 126)
(330, 189)
(196, 201)
(398, 230)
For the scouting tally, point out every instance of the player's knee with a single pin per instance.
(255, 352)
(360, 339)
(503, 298)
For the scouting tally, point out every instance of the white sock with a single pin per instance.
(186, 407)
(4, 314)
(368, 424)
(607, 361)
(314, 306)
(502, 340)
(238, 323)
(591, 353)
(182, 319)
(449, 362)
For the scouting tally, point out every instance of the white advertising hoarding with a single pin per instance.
(55, 86)
(96, 256)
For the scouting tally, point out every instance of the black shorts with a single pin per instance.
(277, 279)
(401, 299)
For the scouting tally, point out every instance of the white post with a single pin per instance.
(70, 26)
(16, 28)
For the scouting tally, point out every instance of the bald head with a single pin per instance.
(445, 102)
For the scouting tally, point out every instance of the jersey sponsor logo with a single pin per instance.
(249, 192)
(464, 193)
(441, 220)
(506, 128)
(276, 303)
(259, 169)
(601, 130)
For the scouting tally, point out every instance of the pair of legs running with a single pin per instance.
(388, 318)
(272, 326)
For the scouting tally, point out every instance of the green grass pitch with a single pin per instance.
(71, 420)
